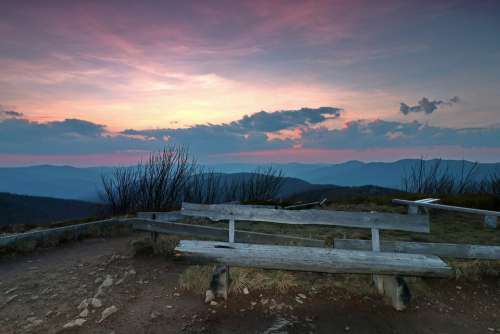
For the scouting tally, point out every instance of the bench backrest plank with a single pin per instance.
(370, 220)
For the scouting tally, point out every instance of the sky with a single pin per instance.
(106, 82)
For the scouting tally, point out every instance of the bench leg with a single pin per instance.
(395, 289)
(154, 236)
(219, 284)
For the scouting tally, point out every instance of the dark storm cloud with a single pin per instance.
(427, 106)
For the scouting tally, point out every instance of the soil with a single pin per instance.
(41, 292)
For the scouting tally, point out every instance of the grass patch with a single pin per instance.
(197, 278)
(164, 245)
(475, 270)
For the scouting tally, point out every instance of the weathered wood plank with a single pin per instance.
(41, 235)
(313, 259)
(218, 233)
(384, 221)
(447, 207)
(166, 216)
(463, 251)
(231, 230)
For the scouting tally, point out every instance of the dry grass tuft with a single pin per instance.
(164, 245)
(196, 279)
(474, 270)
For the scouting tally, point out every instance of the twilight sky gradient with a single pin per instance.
(105, 82)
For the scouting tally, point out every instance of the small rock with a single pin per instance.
(155, 315)
(214, 303)
(347, 328)
(301, 295)
(107, 312)
(34, 321)
(170, 307)
(75, 323)
(107, 282)
(84, 304)
(298, 300)
(10, 290)
(84, 313)
(459, 287)
(95, 302)
(245, 291)
(11, 298)
(176, 294)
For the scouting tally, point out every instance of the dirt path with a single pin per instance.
(41, 293)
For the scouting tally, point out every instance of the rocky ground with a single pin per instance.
(97, 286)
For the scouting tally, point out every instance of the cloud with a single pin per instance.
(389, 134)
(280, 120)
(5, 113)
(427, 106)
(262, 131)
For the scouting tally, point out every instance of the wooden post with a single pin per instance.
(154, 236)
(231, 240)
(490, 221)
(413, 210)
(377, 279)
(375, 240)
(231, 230)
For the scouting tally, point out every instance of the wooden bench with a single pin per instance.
(313, 259)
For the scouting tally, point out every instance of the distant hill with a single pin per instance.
(33, 210)
(84, 183)
(53, 181)
(357, 173)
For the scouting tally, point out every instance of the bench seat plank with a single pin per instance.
(313, 259)
(379, 220)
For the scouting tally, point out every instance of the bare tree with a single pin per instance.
(155, 185)
(432, 177)
(206, 186)
(261, 185)
(120, 190)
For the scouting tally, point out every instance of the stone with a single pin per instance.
(95, 302)
(84, 313)
(108, 281)
(301, 295)
(78, 322)
(84, 304)
(155, 315)
(245, 291)
(107, 312)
